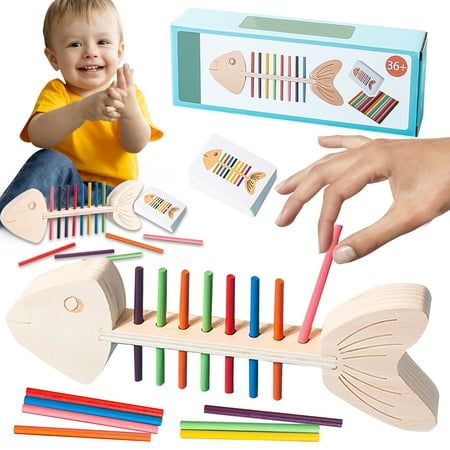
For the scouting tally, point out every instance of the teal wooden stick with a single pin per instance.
(161, 321)
(206, 326)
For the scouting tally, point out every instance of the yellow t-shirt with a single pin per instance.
(94, 147)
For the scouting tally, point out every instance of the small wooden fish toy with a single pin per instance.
(72, 318)
(27, 215)
(230, 71)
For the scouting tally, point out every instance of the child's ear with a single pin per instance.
(120, 51)
(50, 54)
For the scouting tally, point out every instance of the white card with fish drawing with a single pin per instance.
(160, 208)
(233, 175)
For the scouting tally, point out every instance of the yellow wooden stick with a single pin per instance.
(250, 435)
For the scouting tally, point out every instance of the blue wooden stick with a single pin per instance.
(96, 202)
(253, 333)
(82, 200)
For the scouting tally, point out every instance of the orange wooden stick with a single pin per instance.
(183, 323)
(136, 243)
(82, 433)
(278, 335)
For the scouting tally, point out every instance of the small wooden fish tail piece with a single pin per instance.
(324, 76)
(172, 212)
(251, 181)
(369, 336)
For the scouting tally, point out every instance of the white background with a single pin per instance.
(234, 242)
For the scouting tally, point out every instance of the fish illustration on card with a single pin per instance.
(233, 175)
(230, 71)
(232, 169)
(160, 204)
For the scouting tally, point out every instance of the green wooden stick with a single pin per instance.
(125, 256)
(206, 326)
(249, 426)
(161, 320)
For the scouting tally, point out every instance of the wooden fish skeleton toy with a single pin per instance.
(72, 318)
(26, 216)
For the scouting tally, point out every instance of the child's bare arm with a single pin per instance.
(47, 129)
(134, 130)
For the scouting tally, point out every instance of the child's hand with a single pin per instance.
(418, 171)
(101, 106)
(124, 90)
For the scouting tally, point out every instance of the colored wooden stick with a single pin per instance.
(183, 324)
(96, 203)
(249, 426)
(289, 75)
(93, 410)
(91, 401)
(88, 253)
(156, 237)
(249, 435)
(125, 256)
(58, 220)
(80, 433)
(278, 335)
(252, 69)
(282, 74)
(230, 328)
(87, 418)
(75, 204)
(82, 200)
(103, 204)
(66, 219)
(51, 207)
(206, 327)
(131, 242)
(272, 415)
(161, 321)
(89, 204)
(44, 255)
(138, 318)
(305, 330)
(253, 333)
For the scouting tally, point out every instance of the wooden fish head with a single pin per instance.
(27, 208)
(229, 71)
(59, 316)
(369, 336)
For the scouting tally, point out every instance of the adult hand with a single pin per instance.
(418, 171)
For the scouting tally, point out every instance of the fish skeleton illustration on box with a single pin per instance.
(230, 71)
(161, 205)
(232, 169)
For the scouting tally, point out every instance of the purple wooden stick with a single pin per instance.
(89, 253)
(138, 318)
(271, 415)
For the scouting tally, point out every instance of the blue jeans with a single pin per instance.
(44, 169)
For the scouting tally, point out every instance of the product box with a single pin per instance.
(353, 76)
(233, 175)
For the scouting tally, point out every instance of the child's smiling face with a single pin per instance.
(87, 52)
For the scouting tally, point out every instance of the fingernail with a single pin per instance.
(279, 218)
(279, 186)
(344, 254)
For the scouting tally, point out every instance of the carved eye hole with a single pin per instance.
(216, 153)
(73, 304)
(232, 61)
(32, 205)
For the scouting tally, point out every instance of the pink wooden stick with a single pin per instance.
(305, 331)
(87, 418)
(51, 208)
(157, 237)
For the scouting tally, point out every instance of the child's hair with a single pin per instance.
(71, 9)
